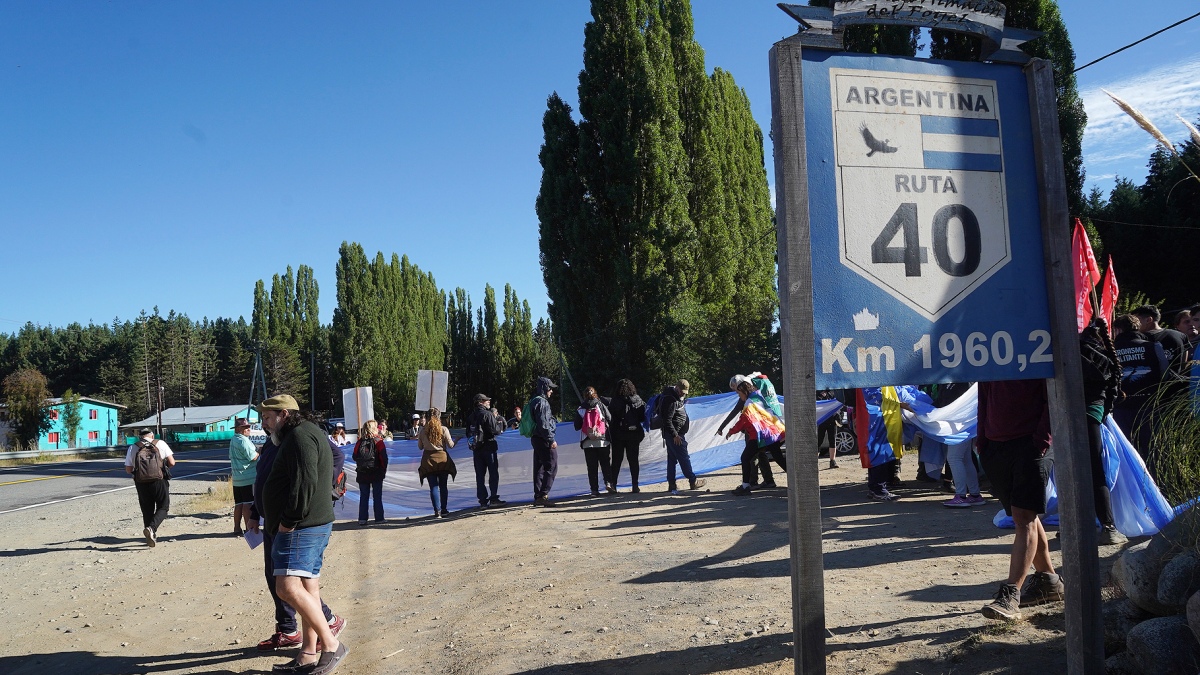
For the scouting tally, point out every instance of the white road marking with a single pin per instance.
(102, 492)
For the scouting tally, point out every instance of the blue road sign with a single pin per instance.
(926, 231)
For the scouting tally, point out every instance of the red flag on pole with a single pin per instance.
(1108, 298)
(1087, 274)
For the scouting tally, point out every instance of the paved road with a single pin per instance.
(24, 487)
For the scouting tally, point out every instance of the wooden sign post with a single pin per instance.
(964, 281)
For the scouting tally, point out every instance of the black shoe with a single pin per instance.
(483, 504)
(237, 532)
(595, 493)
(767, 486)
(742, 490)
(540, 501)
(496, 501)
(635, 489)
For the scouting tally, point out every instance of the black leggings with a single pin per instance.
(752, 452)
(625, 446)
(1100, 493)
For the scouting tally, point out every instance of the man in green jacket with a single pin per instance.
(299, 514)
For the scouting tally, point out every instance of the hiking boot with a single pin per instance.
(281, 640)
(697, 484)
(496, 501)
(1109, 536)
(958, 502)
(1039, 590)
(148, 533)
(1006, 606)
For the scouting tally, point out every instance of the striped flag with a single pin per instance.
(961, 143)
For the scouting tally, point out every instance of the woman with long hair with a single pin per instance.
(436, 464)
(626, 432)
(371, 462)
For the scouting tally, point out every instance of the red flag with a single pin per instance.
(1108, 299)
(1087, 274)
(862, 428)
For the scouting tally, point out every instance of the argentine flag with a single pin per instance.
(961, 143)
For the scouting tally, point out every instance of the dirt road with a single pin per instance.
(646, 583)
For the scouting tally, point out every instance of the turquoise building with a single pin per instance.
(98, 425)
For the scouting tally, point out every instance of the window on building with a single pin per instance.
(53, 438)
(53, 414)
(93, 414)
(93, 435)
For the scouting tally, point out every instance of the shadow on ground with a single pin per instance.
(89, 663)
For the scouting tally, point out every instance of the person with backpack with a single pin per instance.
(672, 410)
(483, 425)
(149, 461)
(592, 420)
(436, 464)
(538, 425)
(371, 463)
(626, 433)
(287, 633)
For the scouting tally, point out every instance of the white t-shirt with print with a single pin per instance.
(163, 449)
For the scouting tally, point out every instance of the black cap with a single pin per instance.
(480, 398)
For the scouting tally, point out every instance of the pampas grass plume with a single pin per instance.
(1192, 129)
(1143, 122)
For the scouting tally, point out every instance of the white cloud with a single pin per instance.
(1113, 143)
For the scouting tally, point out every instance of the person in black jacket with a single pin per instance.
(675, 425)
(628, 412)
(1101, 390)
(594, 439)
(545, 447)
(1143, 364)
(483, 425)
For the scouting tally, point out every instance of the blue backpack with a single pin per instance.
(653, 416)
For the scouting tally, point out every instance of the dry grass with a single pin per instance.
(217, 499)
(1193, 130)
(53, 458)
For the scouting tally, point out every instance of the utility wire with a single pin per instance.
(1134, 44)
(1159, 227)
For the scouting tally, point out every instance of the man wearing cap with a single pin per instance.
(299, 515)
(675, 425)
(545, 448)
(483, 425)
(243, 462)
(414, 429)
(154, 494)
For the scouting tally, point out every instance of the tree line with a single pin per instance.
(391, 319)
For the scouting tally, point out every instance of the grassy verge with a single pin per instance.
(217, 499)
(53, 458)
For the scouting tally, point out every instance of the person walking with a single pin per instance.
(483, 425)
(287, 633)
(436, 464)
(149, 462)
(1014, 446)
(545, 447)
(626, 433)
(371, 463)
(1101, 390)
(592, 420)
(762, 428)
(243, 458)
(675, 425)
(299, 514)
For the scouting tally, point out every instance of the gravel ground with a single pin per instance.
(647, 583)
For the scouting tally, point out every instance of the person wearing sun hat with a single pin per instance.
(299, 515)
(243, 464)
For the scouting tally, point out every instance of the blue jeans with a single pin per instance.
(364, 496)
(487, 465)
(678, 454)
(966, 478)
(299, 553)
(439, 490)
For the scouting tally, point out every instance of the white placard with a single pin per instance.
(359, 404)
(432, 387)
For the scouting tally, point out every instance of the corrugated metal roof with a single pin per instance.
(203, 414)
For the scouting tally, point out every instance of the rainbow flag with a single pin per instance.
(766, 423)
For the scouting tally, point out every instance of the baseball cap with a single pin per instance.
(480, 398)
(683, 387)
(280, 402)
(416, 416)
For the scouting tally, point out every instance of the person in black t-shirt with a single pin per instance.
(1142, 366)
(1174, 344)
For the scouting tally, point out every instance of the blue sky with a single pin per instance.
(171, 154)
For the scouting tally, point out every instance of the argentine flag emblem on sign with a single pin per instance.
(960, 143)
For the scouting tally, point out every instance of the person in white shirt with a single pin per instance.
(148, 462)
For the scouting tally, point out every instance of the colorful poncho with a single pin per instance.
(766, 423)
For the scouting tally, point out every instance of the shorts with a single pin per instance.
(299, 553)
(243, 494)
(1019, 476)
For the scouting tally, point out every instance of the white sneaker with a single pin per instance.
(149, 535)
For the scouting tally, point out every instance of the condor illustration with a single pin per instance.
(875, 144)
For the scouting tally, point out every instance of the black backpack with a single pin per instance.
(365, 456)
(147, 463)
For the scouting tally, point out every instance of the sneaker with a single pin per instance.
(362, 523)
(445, 513)
(833, 464)
(975, 500)
(1039, 590)
(335, 627)
(279, 641)
(483, 504)
(959, 502)
(884, 496)
(697, 484)
(1006, 606)
(768, 486)
(673, 491)
(148, 533)
(610, 488)
(496, 501)
(1109, 536)
(742, 490)
(595, 493)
